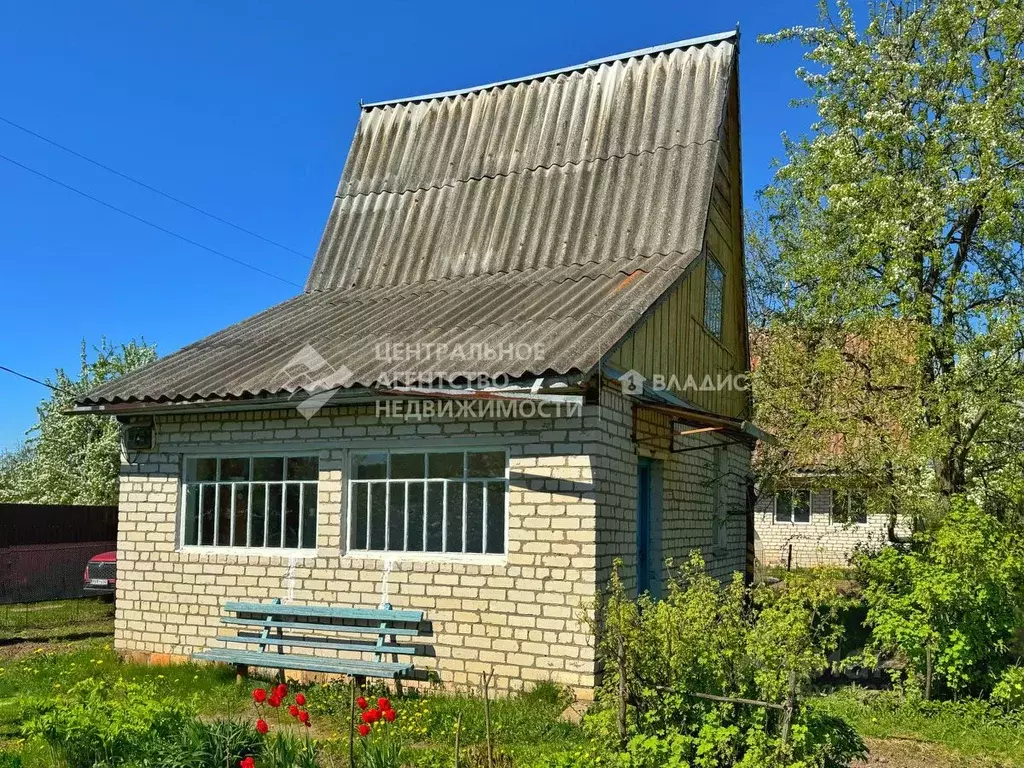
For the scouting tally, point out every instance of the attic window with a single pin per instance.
(714, 296)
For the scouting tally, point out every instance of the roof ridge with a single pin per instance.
(692, 42)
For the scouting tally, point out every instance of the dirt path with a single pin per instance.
(910, 753)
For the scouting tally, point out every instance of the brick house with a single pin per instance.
(806, 522)
(462, 412)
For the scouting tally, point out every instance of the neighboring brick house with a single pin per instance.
(807, 523)
(546, 236)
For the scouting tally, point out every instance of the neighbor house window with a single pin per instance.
(793, 506)
(849, 507)
(450, 502)
(254, 502)
(714, 296)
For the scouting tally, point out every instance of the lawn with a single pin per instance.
(43, 656)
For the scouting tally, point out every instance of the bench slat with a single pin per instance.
(322, 611)
(311, 663)
(367, 647)
(403, 631)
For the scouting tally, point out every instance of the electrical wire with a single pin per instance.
(149, 223)
(151, 188)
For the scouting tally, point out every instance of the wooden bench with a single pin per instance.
(317, 627)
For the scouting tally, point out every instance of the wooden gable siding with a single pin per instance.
(673, 339)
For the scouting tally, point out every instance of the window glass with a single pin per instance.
(302, 468)
(267, 469)
(370, 466)
(408, 465)
(714, 296)
(486, 464)
(232, 470)
(445, 464)
(784, 507)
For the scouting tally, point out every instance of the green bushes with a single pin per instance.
(764, 644)
(948, 611)
(96, 724)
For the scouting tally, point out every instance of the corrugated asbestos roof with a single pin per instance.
(549, 212)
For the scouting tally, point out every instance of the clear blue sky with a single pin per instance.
(246, 109)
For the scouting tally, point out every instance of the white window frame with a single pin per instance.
(214, 549)
(424, 556)
(848, 495)
(792, 521)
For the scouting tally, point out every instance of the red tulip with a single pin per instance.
(247, 762)
(390, 715)
(361, 702)
(364, 730)
(274, 701)
(300, 699)
(384, 704)
(281, 690)
(367, 716)
(259, 695)
(261, 726)
(376, 714)
(293, 711)
(304, 717)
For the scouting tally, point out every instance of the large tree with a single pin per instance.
(71, 459)
(903, 210)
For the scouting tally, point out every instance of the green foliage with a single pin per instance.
(957, 596)
(904, 209)
(202, 744)
(98, 725)
(285, 749)
(725, 640)
(73, 459)
(1008, 693)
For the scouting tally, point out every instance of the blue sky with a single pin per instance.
(246, 109)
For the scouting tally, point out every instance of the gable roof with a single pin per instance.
(550, 211)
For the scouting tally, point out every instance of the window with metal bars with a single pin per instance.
(450, 503)
(253, 502)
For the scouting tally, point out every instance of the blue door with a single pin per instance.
(644, 488)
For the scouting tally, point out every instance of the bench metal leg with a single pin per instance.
(241, 672)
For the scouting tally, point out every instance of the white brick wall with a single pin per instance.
(571, 510)
(822, 541)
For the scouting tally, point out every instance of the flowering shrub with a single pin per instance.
(381, 745)
(282, 748)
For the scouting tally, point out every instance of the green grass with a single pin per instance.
(968, 728)
(57, 619)
(524, 726)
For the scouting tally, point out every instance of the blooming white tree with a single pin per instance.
(903, 209)
(71, 459)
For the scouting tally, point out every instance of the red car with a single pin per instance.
(101, 574)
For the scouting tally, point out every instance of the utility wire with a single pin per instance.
(35, 380)
(153, 189)
(149, 223)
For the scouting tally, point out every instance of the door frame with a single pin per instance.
(649, 569)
